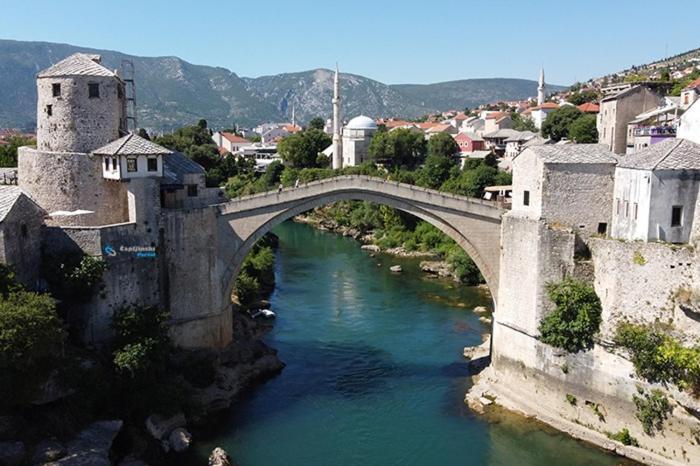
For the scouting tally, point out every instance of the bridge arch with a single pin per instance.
(472, 223)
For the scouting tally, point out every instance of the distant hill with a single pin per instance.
(470, 92)
(172, 92)
(653, 70)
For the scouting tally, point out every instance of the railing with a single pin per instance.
(655, 131)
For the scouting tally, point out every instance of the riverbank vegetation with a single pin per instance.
(256, 279)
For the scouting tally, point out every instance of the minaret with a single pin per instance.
(294, 120)
(337, 142)
(540, 88)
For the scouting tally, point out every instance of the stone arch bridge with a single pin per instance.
(204, 249)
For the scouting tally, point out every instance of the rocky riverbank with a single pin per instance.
(434, 266)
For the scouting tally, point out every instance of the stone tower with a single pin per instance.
(80, 105)
(337, 141)
(540, 88)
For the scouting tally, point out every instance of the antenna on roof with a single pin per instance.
(129, 94)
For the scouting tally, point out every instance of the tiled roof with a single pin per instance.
(234, 138)
(78, 64)
(8, 197)
(467, 136)
(589, 107)
(670, 154)
(132, 144)
(693, 84)
(546, 106)
(438, 128)
(574, 153)
(176, 166)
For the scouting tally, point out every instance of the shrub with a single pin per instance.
(624, 437)
(652, 410)
(74, 277)
(246, 289)
(658, 357)
(575, 318)
(638, 258)
(571, 399)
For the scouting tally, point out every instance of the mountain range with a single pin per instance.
(171, 92)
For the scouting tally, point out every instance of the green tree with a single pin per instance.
(317, 123)
(556, 125)
(401, 148)
(8, 152)
(583, 130)
(301, 150)
(436, 170)
(472, 182)
(581, 97)
(144, 134)
(443, 144)
(522, 124)
(575, 318)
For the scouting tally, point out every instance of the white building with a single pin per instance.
(357, 136)
(229, 141)
(656, 191)
(689, 124)
(132, 157)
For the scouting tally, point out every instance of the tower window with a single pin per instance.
(114, 163)
(106, 164)
(526, 198)
(192, 190)
(49, 110)
(677, 216)
(152, 164)
(131, 165)
(56, 89)
(93, 90)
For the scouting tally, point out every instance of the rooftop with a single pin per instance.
(78, 64)
(8, 197)
(234, 137)
(670, 154)
(589, 107)
(573, 153)
(176, 166)
(132, 144)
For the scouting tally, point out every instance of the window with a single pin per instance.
(49, 110)
(526, 198)
(627, 209)
(114, 163)
(602, 228)
(106, 164)
(617, 206)
(93, 90)
(192, 190)
(56, 89)
(677, 216)
(635, 209)
(152, 164)
(131, 165)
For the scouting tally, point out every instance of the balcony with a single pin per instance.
(669, 131)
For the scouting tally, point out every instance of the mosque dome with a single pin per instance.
(361, 122)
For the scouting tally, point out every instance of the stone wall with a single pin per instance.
(72, 181)
(20, 240)
(78, 123)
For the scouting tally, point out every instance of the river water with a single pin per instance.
(374, 371)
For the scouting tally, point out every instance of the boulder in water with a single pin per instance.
(179, 440)
(396, 268)
(219, 457)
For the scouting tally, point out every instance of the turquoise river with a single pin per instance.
(374, 371)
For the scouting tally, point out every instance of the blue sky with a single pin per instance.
(406, 41)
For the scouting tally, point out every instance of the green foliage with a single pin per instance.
(571, 399)
(74, 277)
(317, 123)
(301, 150)
(144, 134)
(658, 357)
(472, 182)
(624, 437)
(683, 82)
(575, 318)
(8, 152)
(522, 124)
(30, 330)
(556, 125)
(437, 170)
(401, 148)
(247, 289)
(638, 258)
(652, 410)
(595, 407)
(257, 275)
(581, 97)
(583, 130)
(463, 266)
(443, 144)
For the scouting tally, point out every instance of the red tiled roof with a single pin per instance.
(496, 115)
(693, 85)
(234, 138)
(589, 107)
(396, 123)
(438, 128)
(292, 128)
(546, 106)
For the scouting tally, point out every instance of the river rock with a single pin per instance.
(485, 320)
(160, 427)
(396, 268)
(480, 310)
(12, 453)
(48, 450)
(179, 440)
(219, 457)
(370, 247)
(91, 446)
(439, 268)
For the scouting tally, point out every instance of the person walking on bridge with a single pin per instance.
(279, 189)
(296, 183)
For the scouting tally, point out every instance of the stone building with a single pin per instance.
(357, 135)
(618, 110)
(656, 192)
(689, 124)
(570, 185)
(21, 220)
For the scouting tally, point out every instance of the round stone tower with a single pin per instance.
(81, 105)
